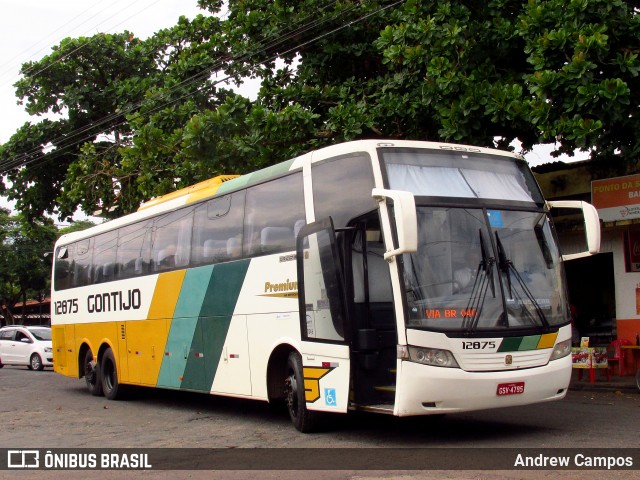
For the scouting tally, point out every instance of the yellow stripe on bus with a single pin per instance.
(547, 340)
(165, 296)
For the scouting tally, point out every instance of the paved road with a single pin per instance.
(46, 410)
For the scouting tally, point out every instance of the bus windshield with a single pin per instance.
(479, 269)
(487, 259)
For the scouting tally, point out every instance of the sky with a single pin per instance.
(29, 28)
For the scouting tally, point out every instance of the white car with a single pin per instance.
(30, 346)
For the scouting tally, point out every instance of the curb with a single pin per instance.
(605, 387)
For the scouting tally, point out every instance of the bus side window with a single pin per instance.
(342, 188)
(134, 245)
(272, 210)
(64, 268)
(172, 240)
(218, 222)
(104, 256)
(83, 257)
(274, 239)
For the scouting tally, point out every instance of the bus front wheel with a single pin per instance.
(111, 388)
(303, 419)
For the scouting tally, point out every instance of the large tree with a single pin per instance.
(83, 86)
(103, 95)
(469, 71)
(25, 258)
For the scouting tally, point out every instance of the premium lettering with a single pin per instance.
(280, 287)
(114, 301)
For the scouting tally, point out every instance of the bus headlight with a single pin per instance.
(561, 350)
(433, 357)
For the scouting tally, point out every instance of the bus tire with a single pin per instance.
(111, 388)
(304, 420)
(92, 375)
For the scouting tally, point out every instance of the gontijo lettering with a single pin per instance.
(114, 301)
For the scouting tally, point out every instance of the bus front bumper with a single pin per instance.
(425, 390)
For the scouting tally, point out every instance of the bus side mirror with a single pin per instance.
(404, 209)
(591, 225)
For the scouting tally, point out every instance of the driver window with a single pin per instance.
(21, 336)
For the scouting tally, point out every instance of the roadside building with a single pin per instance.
(33, 312)
(604, 289)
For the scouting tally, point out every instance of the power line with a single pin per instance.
(103, 21)
(93, 39)
(23, 159)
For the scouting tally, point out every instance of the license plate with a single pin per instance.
(513, 388)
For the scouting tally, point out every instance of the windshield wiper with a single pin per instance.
(507, 268)
(483, 280)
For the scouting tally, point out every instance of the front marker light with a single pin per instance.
(561, 350)
(433, 357)
(48, 349)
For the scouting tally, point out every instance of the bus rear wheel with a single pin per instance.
(304, 420)
(111, 387)
(92, 374)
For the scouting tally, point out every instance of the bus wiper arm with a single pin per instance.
(487, 263)
(483, 279)
(507, 267)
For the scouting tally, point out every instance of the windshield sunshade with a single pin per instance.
(460, 176)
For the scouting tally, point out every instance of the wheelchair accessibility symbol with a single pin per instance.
(330, 397)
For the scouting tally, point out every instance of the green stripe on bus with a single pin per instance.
(511, 344)
(530, 342)
(213, 324)
(255, 177)
(183, 326)
(270, 172)
(193, 293)
(520, 344)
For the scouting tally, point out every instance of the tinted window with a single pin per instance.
(20, 336)
(134, 249)
(342, 188)
(7, 335)
(62, 272)
(81, 266)
(274, 214)
(218, 229)
(172, 240)
(104, 257)
(42, 334)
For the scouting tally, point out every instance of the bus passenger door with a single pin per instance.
(323, 325)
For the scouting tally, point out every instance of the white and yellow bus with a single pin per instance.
(400, 277)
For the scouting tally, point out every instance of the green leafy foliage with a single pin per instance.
(25, 257)
(143, 118)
